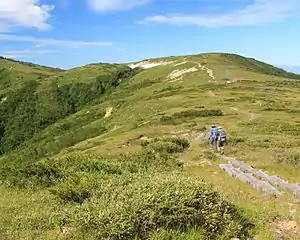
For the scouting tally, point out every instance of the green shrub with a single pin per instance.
(158, 202)
(289, 156)
(206, 155)
(168, 120)
(198, 113)
(167, 234)
(167, 145)
(40, 174)
(235, 140)
(76, 189)
(53, 171)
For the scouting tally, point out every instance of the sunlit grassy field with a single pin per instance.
(92, 171)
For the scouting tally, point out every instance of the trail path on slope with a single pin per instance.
(108, 112)
(206, 69)
(177, 74)
(271, 185)
(252, 116)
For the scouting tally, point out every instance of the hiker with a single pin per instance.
(212, 136)
(221, 138)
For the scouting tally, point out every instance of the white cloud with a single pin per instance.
(24, 13)
(260, 12)
(25, 53)
(28, 52)
(42, 42)
(114, 5)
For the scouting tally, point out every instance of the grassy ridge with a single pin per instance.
(251, 64)
(88, 168)
(13, 74)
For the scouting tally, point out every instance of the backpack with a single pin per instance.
(221, 135)
(213, 133)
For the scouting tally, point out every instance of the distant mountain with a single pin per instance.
(294, 69)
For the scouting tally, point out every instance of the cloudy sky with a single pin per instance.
(67, 33)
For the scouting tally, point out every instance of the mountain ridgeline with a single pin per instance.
(251, 64)
(34, 97)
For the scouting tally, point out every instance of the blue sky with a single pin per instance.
(68, 33)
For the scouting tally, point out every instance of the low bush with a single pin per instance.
(206, 155)
(53, 171)
(77, 189)
(291, 157)
(198, 113)
(169, 120)
(235, 140)
(169, 203)
(179, 117)
(167, 145)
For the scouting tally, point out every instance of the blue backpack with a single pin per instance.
(213, 133)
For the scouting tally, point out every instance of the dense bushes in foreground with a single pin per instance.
(170, 202)
(143, 195)
(54, 171)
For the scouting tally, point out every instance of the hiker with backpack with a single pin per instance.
(221, 138)
(212, 136)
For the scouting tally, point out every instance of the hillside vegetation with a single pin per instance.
(108, 151)
(13, 74)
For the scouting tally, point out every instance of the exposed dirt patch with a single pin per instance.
(209, 71)
(108, 112)
(148, 64)
(181, 63)
(235, 109)
(286, 228)
(144, 123)
(202, 137)
(211, 94)
(3, 100)
(66, 231)
(177, 74)
(254, 116)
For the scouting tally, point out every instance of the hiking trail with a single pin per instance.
(270, 185)
(177, 74)
(206, 69)
(108, 112)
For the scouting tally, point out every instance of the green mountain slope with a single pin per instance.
(13, 74)
(110, 151)
(42, 102)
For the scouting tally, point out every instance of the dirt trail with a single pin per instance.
(149, 64)
(177, 74)
(206, 69)
(271, 185)
(252, 116)
(181, 63)
(108, 112)
(211, 94)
